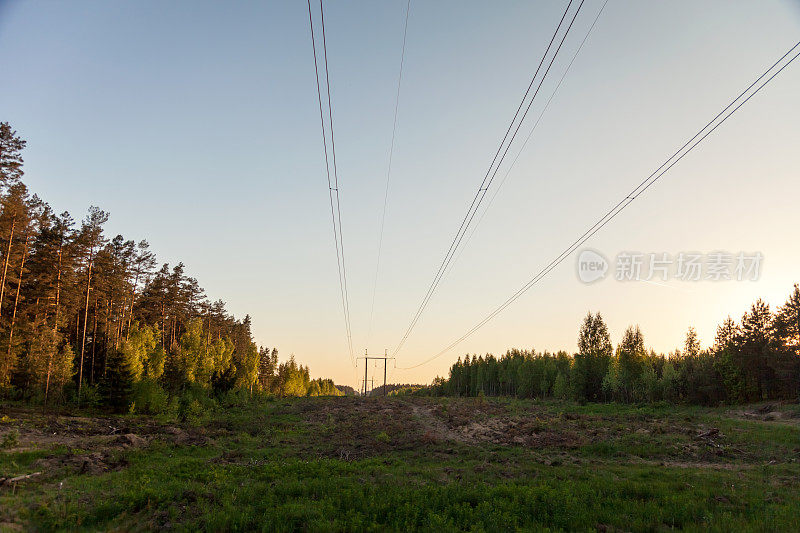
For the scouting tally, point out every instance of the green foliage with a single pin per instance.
(561, 387)
(630, 360)
(84, 306)
(194, 404)
(277, 466)
(10, 439)
(140, 353)
(652, 384)
(246, 363)
(148, 397)
(221, 352)
(518, 373)
(757, 360)
(90, 397)
(236, 397)
(115, 388)
(731, 374)
(592, 360)
(292, 379)
(190, 409)
(224, 381)
(670, 384)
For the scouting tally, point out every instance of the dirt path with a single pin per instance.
(435, 427)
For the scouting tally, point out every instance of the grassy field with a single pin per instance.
(348, 464)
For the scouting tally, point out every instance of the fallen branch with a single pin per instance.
(18, 478)
(713, 432)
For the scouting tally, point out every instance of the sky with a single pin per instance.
(196, 125)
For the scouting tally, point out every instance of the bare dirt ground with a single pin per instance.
(352, 429)
(356, 429)
(769, 413)
(411, 442)
(84, 444)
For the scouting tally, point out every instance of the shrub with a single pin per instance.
(189, 409)
(10, 439)
(560, 387)
(149, 398)
(238, 397)
(194, 402)
(115, 388)
(89, 396)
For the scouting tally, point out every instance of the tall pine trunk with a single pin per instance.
(16, 296)
(58, 283)
(6, 260)
(130, 311)
(94, 339)
(85, 319)
(6, 371)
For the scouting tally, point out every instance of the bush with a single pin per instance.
(149, 398)
(193, 403)
(190, 410)
(10, 439)
(10, 393)
(115, 388)
(222, 382)
(560, 387)
(89, 397)
(235, 398)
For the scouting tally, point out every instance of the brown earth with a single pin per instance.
(85, 445)
(351, 428)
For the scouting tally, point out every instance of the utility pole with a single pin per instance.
(385, 357)
(371, 382)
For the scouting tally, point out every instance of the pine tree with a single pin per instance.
(726, 361)
(755, 348)
(631, 355)
(787, 331)
(11, 147)
(90, 239)
(15, 221)
(593, 358)
(691, 346)
(115, 388)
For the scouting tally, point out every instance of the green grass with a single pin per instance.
(350, 465)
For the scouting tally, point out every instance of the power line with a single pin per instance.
(495, 164)
(530, 134)
(333, 186)
(630, 197)
(336, 182)
(388, 172)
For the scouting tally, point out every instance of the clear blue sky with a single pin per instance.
(195, 124)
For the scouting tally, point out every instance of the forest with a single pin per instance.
(93, 320)
(754, 360)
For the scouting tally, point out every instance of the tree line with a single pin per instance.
(756, 359)
(92, 318)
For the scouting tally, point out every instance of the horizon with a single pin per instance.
(204, 139)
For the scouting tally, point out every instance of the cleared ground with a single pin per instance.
(406, 463)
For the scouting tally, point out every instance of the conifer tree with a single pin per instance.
(593, 357)
(90, 240)
(11, 146)
(115, 387)
(631, 355)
